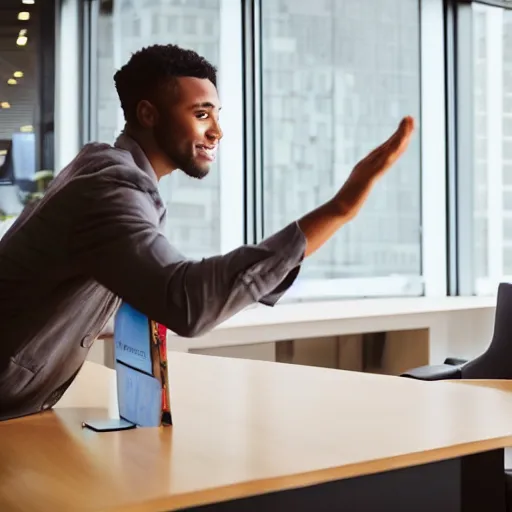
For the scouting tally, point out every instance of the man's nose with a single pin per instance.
(215, 131)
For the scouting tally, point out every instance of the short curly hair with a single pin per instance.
(154, 66)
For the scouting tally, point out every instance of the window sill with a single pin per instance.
(327, 318)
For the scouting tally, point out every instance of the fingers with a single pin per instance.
(399, 137)
(406, 124)
(403, 133)
(406, 128)
(388, 153)
(399, 141)
(384, 156)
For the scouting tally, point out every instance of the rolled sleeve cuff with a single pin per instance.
(288, 246)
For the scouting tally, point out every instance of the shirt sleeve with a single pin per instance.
(118, 242)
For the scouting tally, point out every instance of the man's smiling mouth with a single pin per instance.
(208, 152)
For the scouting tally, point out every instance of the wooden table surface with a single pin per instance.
(240, 428)
(503, 385)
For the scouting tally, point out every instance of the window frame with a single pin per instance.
(89, 65)
(253, 175)
(47, 58)
(434, 166)
(68, 97)
(232, 156)
(459, 65)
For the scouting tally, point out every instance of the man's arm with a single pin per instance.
(117, 242)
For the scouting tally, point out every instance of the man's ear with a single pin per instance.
(147, 114)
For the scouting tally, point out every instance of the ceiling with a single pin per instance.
(22, 97)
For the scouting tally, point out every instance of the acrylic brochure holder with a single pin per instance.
(140, 353)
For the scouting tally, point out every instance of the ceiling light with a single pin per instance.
(27, 128)
(27, 2)
(5, 104)
(23, 16)
(22, 37)
(18, 74)
(3, 152)
(12, 81)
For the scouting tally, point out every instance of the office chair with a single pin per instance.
(494, 363)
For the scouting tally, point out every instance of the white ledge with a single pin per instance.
(348, 309)
(325, 318)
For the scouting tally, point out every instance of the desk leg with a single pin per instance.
(474, 483)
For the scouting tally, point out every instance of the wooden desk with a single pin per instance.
(504, 385)
(265, 436)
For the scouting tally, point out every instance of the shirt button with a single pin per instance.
(87, 341)
(46, 407)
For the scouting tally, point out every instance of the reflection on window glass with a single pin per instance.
(337, 78)
(20, 137)
(126, 26)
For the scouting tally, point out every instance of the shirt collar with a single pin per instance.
(129, 144)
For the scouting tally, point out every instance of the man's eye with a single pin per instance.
(201, 115)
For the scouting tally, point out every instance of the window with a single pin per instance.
(336, 79)
(198, 222)
(27, 48)
(491, 147)
(320, 86)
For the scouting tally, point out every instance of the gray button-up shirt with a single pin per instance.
(95, 239)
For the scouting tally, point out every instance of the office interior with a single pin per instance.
(308, 89)
(303, 101)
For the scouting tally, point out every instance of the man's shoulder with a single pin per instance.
(106, 174)
(104, 163)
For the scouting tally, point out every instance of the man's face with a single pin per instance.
(188, 130)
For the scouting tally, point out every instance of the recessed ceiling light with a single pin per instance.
(27, 128)
(22, 40)
(28, 2)
(5, 104)
(23, 16)
(18, 74)
(12, 81)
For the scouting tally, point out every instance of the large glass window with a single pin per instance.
(26, 102)
(194, 220)
(492, 146)
(337, 77)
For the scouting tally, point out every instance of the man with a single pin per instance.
(95, 239)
